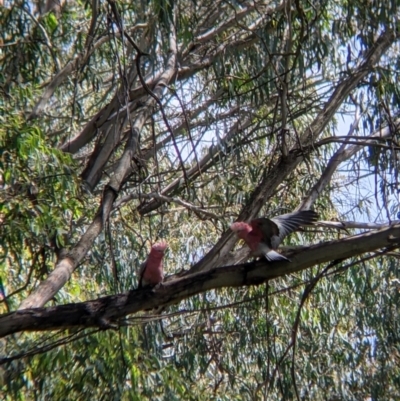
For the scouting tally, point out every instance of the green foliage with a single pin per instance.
(238, 76)
(232, 352)
(40, 200)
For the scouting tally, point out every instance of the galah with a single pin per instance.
(263, 236)
(151, 271)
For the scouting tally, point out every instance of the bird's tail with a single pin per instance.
(273, 256)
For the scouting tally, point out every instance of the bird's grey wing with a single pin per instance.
(141, 271)
(270, 231)
(287, 223)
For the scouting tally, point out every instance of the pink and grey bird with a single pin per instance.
(263, 236)
(152, 271)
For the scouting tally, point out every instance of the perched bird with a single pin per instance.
(264, 235)
(151, 271)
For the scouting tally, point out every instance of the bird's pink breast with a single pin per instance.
(253, 239)
(154, 272)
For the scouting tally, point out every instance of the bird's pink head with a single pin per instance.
(160, 246)
(241, 229)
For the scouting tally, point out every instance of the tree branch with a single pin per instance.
(107, 311)
(343, 153)
(286, 165)
(68, 263)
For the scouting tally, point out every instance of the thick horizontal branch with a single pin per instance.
(106, 311)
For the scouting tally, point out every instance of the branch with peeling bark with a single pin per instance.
(187, 69)
(68, 263)
(108, 311)
(64, 268)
